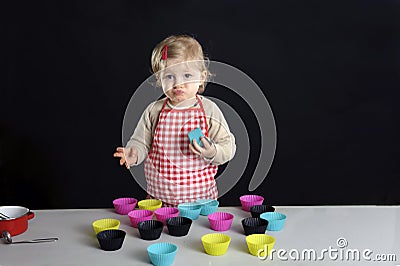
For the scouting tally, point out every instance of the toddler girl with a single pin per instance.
(177, 170)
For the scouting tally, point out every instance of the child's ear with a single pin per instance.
(201, 88)
(203, 76)
(158, 79)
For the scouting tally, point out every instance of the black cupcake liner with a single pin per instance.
(178, 226)
(256, 210)
(150, 230)
(253, 225)
(111, 240)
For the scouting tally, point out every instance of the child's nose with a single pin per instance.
(179, 83)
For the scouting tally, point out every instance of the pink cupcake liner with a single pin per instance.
(248, 201)
(124, 205)
(137, 216)
(220, 221)
(162, 214)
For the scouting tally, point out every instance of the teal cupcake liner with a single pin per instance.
(189, 210)
(162, 253)
(276, 220)
(208, 206)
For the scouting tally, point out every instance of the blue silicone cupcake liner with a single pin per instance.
(208, 206)
(276, 220)
(189, 210)
(162, 253)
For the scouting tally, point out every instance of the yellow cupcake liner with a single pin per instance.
(150, 204)
(105, 224)
(216, 244)
(258, 244)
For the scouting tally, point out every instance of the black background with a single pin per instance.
(329, 69)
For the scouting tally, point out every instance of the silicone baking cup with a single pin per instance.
(150, 230)
(150, 204)
(111, 240)
(178, 226)
(104, 224)
(220, 221)
(258, 244)
(254, 226)
(208, 206)
(162, 254)
(164, 213)
(248, 201)
(190, 210)
(276, 220)
(256, 210)
(137, 216)
(216, 244)
(124, 205)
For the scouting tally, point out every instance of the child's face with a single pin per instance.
(181, 80)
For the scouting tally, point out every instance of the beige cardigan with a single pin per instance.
(218, 131)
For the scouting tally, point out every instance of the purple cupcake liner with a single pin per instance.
(137, 216)
(124, 205)
(164, 213)
(248, 201)
(220, 221)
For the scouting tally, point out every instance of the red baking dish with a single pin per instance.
(18, 221)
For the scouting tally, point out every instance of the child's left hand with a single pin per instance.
(208, 151)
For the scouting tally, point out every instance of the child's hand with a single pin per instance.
(128, 156)
(208, 151)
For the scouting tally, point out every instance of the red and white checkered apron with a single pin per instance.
(174, 174)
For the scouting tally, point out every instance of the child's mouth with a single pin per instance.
(178, 92)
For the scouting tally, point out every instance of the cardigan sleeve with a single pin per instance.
(142, 137)
(219, 133)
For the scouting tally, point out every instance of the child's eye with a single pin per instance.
(168, 76)
(188, 75)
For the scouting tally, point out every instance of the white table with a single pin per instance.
(318, 228)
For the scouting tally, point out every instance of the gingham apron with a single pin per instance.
(174, 174)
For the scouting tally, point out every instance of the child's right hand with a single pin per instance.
(128, 156)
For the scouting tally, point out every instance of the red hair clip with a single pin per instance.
(164, 53)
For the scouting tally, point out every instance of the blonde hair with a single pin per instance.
(182, 47)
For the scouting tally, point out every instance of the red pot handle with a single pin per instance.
(30, 215)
